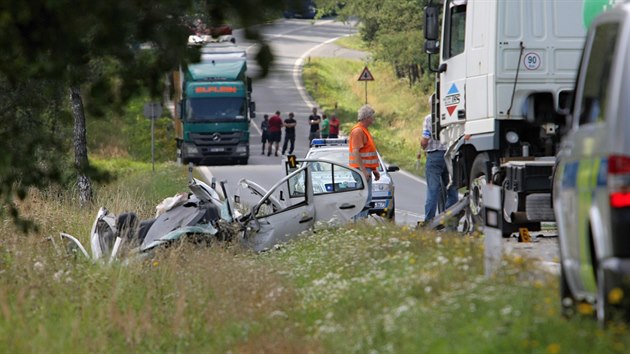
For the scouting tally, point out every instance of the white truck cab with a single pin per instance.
(504, 83)
(592, 178)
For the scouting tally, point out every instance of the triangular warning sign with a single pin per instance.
(366, 75)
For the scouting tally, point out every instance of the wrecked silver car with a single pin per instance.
(313, 191)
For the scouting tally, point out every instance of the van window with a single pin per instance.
(597, 75)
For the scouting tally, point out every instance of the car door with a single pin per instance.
(339, 192)
(318, 190)
(271, 223)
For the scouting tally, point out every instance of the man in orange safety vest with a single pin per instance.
(363, 154)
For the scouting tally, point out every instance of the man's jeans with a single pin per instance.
(288, 138)
(436, 170)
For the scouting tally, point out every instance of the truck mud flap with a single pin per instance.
(444, 218)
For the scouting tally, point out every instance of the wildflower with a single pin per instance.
(585, 308)
(615, 296)
(553, 348)
(412, 261)
(155, 263)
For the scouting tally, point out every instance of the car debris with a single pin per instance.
(207, 214)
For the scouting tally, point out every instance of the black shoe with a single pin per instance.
(276, 154)
(262, 152)
(269, 153)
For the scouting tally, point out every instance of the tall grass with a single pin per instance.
(356, 289)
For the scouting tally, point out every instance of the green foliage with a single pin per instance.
(392, 30)
(111, 51)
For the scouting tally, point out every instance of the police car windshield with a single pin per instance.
(340, 156)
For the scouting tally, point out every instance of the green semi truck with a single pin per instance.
(215, 108)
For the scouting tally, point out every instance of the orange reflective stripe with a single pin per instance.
(367, 152)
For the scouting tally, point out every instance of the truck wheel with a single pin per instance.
(477, 180)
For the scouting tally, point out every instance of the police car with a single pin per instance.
(337, 150)
(592, 176)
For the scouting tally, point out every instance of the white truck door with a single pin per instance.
(453, 80)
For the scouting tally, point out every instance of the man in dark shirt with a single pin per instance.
(275, 132)
(289, 133)
(314, 120)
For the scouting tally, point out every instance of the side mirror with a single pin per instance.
(431, 28)
(249, 85)
(179, 109)
(431, 46)
(392, 168)
(252, 109)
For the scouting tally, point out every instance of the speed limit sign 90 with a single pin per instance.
(532, 61)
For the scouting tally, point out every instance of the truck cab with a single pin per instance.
(592, 178)
(505, 73)
(215, 107)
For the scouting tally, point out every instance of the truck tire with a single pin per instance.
(538, 207)
(477, 179)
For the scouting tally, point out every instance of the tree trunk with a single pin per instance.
(80, 147)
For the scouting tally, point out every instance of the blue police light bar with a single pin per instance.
(329, 142)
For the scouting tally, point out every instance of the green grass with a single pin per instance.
(356, 289)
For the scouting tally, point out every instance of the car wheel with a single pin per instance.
(391, 213)
(567, 301)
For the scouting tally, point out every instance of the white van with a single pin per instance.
(592, 178)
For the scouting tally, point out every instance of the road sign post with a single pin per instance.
(152, 110)
(366, 76)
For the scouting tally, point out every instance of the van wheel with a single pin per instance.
(603, 305)
(567, 301)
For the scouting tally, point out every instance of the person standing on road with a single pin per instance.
(275, 132)
(435, 171)
(325, 126)
(363, 155)
(264, 129)
(334, 127)
(314, 120)
(289, 133)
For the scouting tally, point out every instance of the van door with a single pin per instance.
(582, 188)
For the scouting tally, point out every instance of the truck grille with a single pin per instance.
(216, 139)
